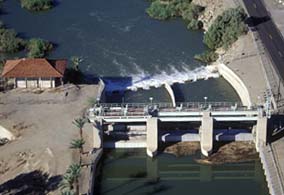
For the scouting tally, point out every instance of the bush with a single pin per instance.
(38, 48)
(226, 29)
(164, 10)
(9, 42)
(161, 11)
(207, 57)
(37, 5)
(195, 25)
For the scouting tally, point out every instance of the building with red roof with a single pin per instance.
(35, 73)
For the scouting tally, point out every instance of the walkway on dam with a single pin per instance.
(245, 61)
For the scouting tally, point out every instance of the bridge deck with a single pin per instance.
(184, 111)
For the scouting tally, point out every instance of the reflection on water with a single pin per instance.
(129, 171)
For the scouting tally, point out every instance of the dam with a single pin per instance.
(145, 119)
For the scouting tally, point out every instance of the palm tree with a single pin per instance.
(71, 180)
(76, 62)
(75, 170)
(80, 122)
(78, 144)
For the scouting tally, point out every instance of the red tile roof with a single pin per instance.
(38, 67)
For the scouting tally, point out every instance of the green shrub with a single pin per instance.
(9, 42)
(226, 29)
(38, 48)
(195, 25)
(37, 5)
(167, 9)
(161, 11)
(207, 57)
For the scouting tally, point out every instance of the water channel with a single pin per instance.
(128, 171)
(116, 38)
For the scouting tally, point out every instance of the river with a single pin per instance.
(118, 39)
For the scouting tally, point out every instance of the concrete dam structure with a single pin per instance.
(141, 125)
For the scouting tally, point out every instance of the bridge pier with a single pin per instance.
(261, 132)
(152, 169)
(206, 132)
(152, 136)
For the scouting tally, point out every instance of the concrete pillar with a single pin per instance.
(152, 169)
(206, 132)
(261, 132)
(98, 133)
(205, 173)
(152, 136)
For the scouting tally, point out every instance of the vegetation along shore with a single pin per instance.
(221, 34)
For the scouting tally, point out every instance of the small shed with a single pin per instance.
(35, 73)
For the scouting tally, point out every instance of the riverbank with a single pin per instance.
(41, 122)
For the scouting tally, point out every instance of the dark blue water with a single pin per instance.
(117, 38)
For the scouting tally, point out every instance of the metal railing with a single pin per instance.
(144, 109)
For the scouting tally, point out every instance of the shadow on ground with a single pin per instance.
(253, 21)
(275, 128)
(32, 183)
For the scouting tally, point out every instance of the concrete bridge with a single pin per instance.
(205, 113)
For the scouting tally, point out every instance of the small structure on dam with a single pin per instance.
(136, 125)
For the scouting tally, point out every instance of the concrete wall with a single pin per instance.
(236, 83)
(171, 93)
(4, 133)
(21, 83)
(101, 90)
(35, 82)
(152, 136)
(206, 132)
(44, 83)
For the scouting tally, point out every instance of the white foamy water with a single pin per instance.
(146, 81)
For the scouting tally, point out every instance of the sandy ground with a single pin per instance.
(42, 125)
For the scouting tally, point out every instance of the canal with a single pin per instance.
(129, 171)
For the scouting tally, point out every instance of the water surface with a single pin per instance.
(132, 172)
(117, 38)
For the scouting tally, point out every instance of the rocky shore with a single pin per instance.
(183, 148)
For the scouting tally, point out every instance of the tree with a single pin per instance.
(37, 5)
(166, 9)
(9, 42)
(78, 144)
(70, 183)
(38, 48)
(80, 122)
(226, 29)
(76, 62)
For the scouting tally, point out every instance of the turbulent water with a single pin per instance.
(146, 81)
